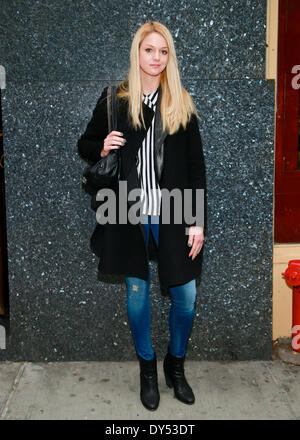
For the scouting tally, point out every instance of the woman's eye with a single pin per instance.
(164, 52)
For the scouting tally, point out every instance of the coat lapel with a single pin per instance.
(160, 136)
(133, 137)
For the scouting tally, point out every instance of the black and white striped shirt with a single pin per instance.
(150, 190)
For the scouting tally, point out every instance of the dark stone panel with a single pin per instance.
(90, 40)
(235, 297)
(213, 39)
(59, 310)
(64, 40)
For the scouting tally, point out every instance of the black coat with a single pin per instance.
(121, 247)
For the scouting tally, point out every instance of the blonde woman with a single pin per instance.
(160, 147)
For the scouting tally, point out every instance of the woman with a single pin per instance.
(160, 147)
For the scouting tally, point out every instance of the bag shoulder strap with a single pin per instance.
(111, 108)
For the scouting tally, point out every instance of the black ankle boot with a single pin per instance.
(174, 374)
(149, 388)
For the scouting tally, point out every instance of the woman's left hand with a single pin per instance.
(196, 239)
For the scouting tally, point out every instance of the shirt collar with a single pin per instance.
(150, 99)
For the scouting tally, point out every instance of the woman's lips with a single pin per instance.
(155, 65)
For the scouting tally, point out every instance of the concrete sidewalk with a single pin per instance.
(268, 390)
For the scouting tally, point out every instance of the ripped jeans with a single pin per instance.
(138, 306)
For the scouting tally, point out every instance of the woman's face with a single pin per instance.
(154, 54)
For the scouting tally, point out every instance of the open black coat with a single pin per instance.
(121, 248)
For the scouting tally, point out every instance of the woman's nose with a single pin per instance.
(156, 55)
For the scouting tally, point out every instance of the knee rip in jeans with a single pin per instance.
(135, 287)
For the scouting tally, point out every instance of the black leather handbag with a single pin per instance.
(106, 171)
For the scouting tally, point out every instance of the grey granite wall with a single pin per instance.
(58, 57)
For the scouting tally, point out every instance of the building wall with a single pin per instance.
(58, 57)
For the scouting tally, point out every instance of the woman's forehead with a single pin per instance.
(155, 39)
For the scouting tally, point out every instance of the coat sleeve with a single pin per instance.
(196, 169)
(91, 141)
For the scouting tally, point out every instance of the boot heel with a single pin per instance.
(169, 381)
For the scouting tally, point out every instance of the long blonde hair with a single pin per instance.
(177, 105)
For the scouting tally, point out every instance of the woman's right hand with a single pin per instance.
(113, 141)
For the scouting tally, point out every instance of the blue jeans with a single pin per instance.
(138, 306)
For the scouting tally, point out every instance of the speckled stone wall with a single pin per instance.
(58, 57)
